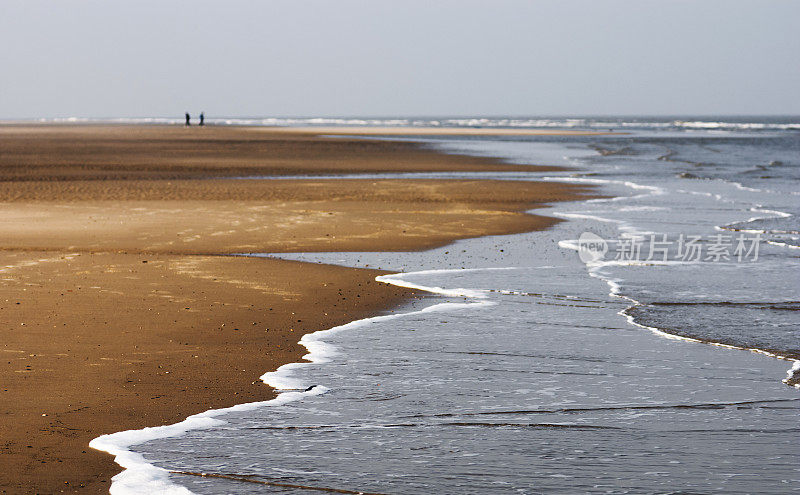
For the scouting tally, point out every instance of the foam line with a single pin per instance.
(395, 279)
(139, 476)
(783, 244)
(627, 228)
(633, 185)
(321, 352)
(595, 270)
(771, 215)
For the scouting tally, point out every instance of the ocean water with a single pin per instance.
(640, 346)
(679, 123)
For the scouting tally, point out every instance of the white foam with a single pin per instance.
(633, 185)
(776, 213)
(321, 352)
(650, 190)
(790, 374)
(396, 279)
(783, 244)
(139, 476)
(734, 125)
(595, 270)
(740, 186)
(643, 208)
(627, 229)
(770, 214)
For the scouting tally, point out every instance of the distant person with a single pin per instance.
(202, 118)
(188, 119)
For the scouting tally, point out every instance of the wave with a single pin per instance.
(595, 270)
(770, 215)
(629, 229)
(139, 476)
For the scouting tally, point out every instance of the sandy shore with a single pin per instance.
(63, 152)
(119, 308)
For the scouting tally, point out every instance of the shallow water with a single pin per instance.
(525, 377)
(739, 185)
(548, 389)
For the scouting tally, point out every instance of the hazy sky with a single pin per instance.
(110, 58)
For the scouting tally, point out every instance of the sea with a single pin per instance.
(646, 344)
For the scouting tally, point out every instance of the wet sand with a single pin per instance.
(120, 309)
(94, 152)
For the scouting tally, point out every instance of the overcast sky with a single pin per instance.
(109, 58)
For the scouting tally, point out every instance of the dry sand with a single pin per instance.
(118, 309)
(235, 216)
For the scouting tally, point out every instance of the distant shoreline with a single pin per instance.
(351, 130)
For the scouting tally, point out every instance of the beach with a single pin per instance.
(123, 307)
(377, 248)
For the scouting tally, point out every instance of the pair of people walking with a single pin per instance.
(189, 119)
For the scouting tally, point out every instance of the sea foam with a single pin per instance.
(139, 476)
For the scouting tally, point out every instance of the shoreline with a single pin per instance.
(139, 474)
(116, 276)
(337, 130)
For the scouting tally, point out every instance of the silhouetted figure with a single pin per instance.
(188, 119)
(202, 118)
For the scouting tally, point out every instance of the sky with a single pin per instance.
(114, 58)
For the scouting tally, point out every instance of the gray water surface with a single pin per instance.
(537, 383)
